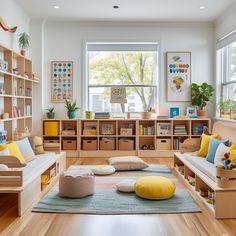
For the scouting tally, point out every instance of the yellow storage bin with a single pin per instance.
(51, 128)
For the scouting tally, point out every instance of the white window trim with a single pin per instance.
(85, 86)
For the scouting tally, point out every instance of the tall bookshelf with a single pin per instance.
(116, 137)
(16, 90)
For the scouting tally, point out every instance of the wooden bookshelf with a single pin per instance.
(115, 137)
(16, 94)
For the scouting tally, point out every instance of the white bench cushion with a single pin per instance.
(203, 165)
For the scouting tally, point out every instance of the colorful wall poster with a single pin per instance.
(62, 81)
(178, 76)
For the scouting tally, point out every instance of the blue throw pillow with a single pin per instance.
(214, 143)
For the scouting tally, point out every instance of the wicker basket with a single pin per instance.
(146, 115)
(226, 178)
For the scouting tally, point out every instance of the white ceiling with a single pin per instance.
(129, 10)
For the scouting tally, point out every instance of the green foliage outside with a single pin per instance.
(129, 68)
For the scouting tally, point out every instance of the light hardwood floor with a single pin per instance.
(97, 225)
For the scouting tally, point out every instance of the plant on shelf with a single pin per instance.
(201, 95)
(23, 43)
(50, 113)
(71, 108)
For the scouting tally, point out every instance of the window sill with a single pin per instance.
(224, 120)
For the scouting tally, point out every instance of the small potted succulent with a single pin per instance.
(201, 95)
(23, 43)
(50, 113)
(71, 108)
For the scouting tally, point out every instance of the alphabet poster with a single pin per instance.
(62, 81)
(178, 76)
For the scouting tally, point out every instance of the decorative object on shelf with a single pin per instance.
(126, 131)
(62, 81)
(71, 108)
(5, 116)
(178, 76)
(226, 172)
(174, 111)
(5, 27)
(102, 115)
(148, 147)
(191, 112)
(163, 128)
(3, 65)
(147, 114)
(50, 113)
(3, 136)
(15, 71)
(23, 43)
(118, 95)
(88, 115)
(201, 96)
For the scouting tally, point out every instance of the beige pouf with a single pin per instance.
(76, 183)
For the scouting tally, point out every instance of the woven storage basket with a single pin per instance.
(226, 178)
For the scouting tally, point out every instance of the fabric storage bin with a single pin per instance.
(163, 144)
(90, 144)
(69, 144)
(107, 144)
(51, 128)
(126, 144)
(51, 143)
(89, 131)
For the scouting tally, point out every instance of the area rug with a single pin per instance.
(108, 201)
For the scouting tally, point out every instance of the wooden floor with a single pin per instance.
(97, 225)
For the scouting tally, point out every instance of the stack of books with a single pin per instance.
(150, 130)
(180, 130)
(102, 115)
(162, 117)
(197, 129)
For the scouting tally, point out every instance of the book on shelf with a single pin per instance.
(16, 112)
(180, 130)
(102, 115)
(197, 129)
(146, 130)
(28, 110)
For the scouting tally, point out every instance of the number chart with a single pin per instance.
(62, 81)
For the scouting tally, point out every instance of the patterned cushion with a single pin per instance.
(36, 143)
(25, 149)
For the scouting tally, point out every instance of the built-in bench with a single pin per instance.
(29, 188)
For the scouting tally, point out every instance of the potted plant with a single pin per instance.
(23, 43)
(201, 95)
(71, 108)
(50, 113)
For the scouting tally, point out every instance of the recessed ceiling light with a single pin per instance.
(202, 7)
(115, 7)
(56, 7)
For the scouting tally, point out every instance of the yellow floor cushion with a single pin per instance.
(154, 187)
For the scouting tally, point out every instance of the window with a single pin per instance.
(130, 65)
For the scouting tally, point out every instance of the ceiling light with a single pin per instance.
(115, 7)
(202, 7)
(56, 7)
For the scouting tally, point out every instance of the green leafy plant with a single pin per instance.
(201, 94)
(24, 41)
(71, 106)
(50, 109)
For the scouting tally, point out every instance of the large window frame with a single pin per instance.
(120, 46)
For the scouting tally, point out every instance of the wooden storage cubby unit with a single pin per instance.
(15, 80)
(222, 203)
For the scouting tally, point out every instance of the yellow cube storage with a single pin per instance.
(51, 128)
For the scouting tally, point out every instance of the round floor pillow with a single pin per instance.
(154, 187)
(126, 185)
(104, 170)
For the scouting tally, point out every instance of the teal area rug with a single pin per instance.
(107, 201)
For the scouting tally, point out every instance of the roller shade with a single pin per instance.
(122, 46)
(226, 40)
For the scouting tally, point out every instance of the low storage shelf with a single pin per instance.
(115, 137)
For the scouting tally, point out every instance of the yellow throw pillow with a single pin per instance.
(154, 187)
(15, 151)
(3, 146)
(233, 156)
(232, 147)
(205, 144)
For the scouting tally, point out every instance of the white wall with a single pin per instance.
(64, 41)
(13, 15)
(226, 22)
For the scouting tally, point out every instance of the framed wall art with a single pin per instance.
(178, 76)
(62, 81)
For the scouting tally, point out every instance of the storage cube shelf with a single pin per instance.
(112, 137)
(16, 91)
